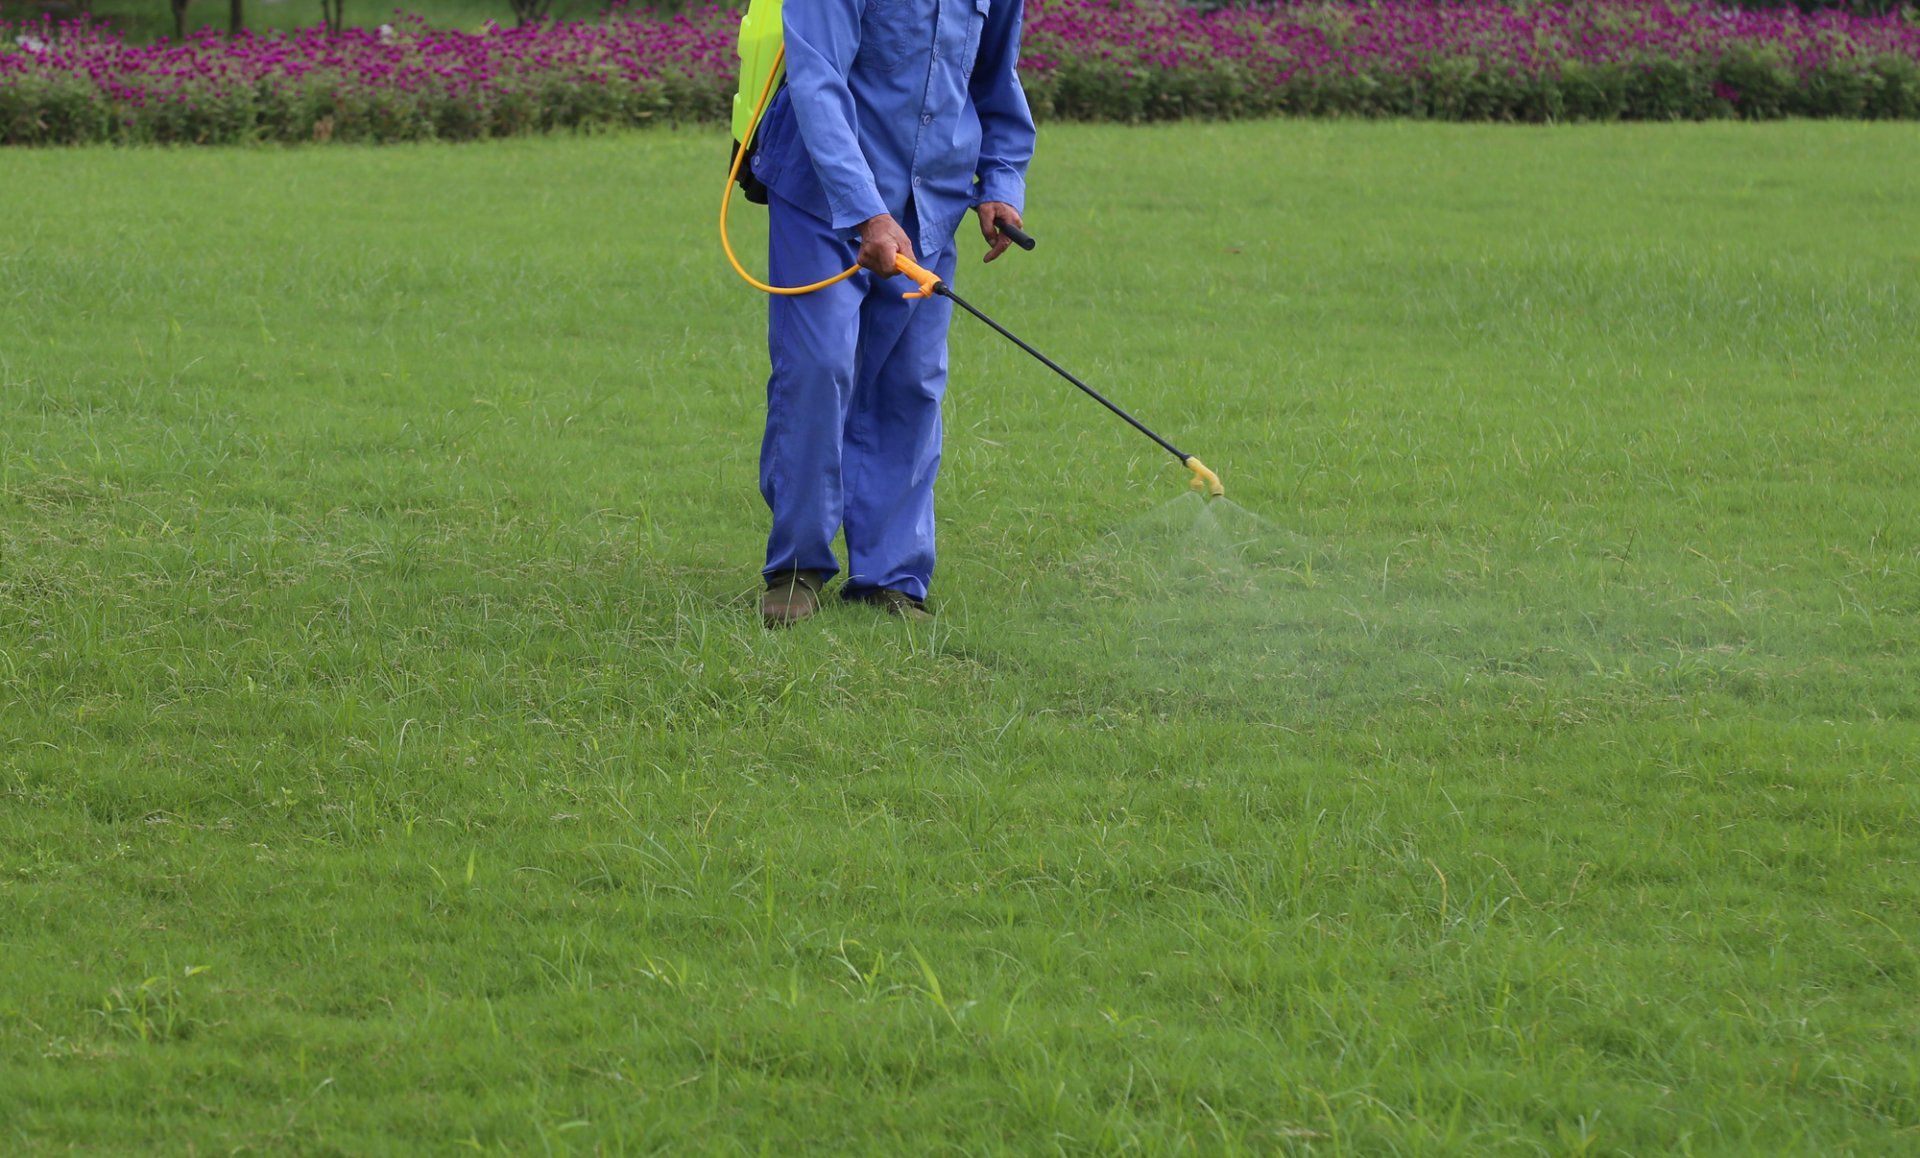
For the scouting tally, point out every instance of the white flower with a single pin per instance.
(387, 34)
(31, 43)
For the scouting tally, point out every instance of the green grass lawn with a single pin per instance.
(390, 756)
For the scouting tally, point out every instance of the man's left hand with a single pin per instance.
(992, 213)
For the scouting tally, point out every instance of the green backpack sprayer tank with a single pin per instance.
(763, 66)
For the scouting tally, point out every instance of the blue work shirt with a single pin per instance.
(888, 100)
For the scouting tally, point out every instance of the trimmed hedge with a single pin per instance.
(1607, 60)
(1113, 60)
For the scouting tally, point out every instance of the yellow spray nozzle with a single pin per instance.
(1204, 479)
(926, 279)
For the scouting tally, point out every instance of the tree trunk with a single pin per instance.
(179, 18)
(236, 17)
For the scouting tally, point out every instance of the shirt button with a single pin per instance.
(926, 118)
(916, 180)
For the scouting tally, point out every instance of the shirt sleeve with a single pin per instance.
(822, 37)
(1006, 123)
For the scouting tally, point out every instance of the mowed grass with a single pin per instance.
(390, 757)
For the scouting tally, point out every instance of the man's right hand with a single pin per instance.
(881, 240)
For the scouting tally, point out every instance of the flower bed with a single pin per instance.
(1611, 59)
(75, 82)
(1123, 60)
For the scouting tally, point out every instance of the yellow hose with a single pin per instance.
(726, 200)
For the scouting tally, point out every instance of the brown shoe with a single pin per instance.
(791, 597)
(895, 603)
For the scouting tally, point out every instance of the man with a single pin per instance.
(897, 115)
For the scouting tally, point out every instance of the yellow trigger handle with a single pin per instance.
(926, 279)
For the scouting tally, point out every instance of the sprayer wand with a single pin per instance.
(1204, 480)
(930, 284)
